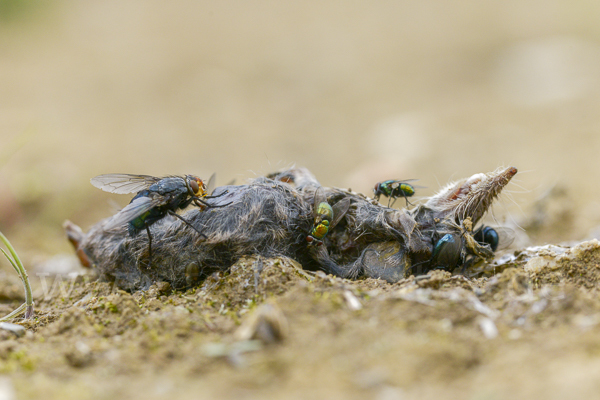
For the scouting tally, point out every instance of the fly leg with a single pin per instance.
(201, 203)
(219, 195)
(149, 246)
(187, 223)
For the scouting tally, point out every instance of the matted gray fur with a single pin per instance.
(271, 216)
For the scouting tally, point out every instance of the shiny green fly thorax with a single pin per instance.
(387, 184)
(324, 211)
(383, 188)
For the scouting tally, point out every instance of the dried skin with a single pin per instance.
(470, 198)
(272, 216)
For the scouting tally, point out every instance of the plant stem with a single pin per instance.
(20, 269)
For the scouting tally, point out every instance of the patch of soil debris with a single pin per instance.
(268, 329)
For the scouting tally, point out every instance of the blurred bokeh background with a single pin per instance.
(358, 92)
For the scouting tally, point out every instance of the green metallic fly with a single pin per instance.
(394, 189)
(326, 216)
(155, 199)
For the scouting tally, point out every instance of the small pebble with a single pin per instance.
(488, 327)
(514, 334)
(267, 324)
(14, 328)
(353, 303)
(7, 391)
(80, 356)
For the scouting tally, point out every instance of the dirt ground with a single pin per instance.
(358, 92)
(527, 328)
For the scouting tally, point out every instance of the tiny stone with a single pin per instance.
(514, 334)
(488, 327)
(353, 303)
(7, 391)
(164, 288)
(14, 328)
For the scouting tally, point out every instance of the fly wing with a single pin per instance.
(133, 210)
(505, 237)
(212, 181)
(404, 180)
(339, 210)
(397, 183)
(319, 198)
(123, 183)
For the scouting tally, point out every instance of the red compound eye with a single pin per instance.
(194, 186)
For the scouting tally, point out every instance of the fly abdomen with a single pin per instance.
(320, 231)
(447, 252)
(139, 223)
(405, 190)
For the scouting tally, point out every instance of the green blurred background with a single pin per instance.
(356, 91)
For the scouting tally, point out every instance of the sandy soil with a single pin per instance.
(529, 331)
